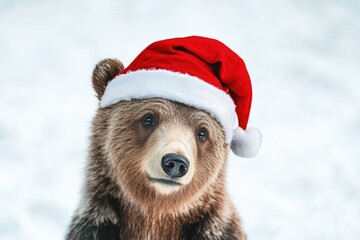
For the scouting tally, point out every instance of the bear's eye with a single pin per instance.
(202, 135)
(148, 121)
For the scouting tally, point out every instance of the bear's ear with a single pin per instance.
(103, 72)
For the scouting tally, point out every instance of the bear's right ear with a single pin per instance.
(103, 72)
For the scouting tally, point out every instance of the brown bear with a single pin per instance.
(156, 165)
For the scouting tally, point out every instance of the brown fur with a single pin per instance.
(117, 191)
(104, 71)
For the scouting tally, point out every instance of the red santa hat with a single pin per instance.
(196, 71)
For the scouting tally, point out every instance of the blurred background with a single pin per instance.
(304, 61)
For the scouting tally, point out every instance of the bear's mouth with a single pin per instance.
(164, 181)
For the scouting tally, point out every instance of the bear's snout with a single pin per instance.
(175, 165)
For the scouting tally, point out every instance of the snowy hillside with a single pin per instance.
(304, 60)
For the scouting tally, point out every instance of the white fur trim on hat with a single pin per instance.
(177, 87)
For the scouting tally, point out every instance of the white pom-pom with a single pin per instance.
(246, 143)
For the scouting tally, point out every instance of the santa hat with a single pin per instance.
(196, 71)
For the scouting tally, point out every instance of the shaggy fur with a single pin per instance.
(119, 201)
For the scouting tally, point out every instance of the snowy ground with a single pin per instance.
(304, 60)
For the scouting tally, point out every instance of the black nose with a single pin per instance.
(175, 165)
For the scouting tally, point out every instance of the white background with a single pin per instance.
(304, 60)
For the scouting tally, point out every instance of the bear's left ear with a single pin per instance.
(103, 72)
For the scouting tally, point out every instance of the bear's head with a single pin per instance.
(160, 154)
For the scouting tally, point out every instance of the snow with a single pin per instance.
(303, 57)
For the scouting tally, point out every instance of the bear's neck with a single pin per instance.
(131, 220)
(154, 224)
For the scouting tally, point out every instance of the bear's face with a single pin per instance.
(163, 156)
(163, 151)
